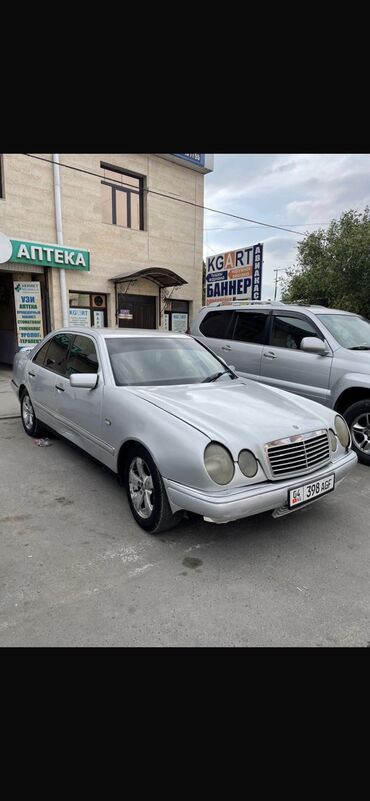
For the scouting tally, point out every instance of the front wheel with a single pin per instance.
(30, 422)
(357, 417)
(146, 493)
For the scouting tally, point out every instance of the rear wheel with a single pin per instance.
(30, 422)
(146, 493)
(357, 417)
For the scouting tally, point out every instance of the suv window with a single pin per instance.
(56, 354)
(83, 357)
(251, 326)
(288, 332)
(216, 324)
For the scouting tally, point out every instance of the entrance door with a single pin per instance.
(136, 311)
(8, 334)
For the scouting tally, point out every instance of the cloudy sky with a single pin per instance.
(299, 191)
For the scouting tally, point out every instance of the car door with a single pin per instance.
(215, 329)
(285, 366)
(248, 337)
(43, 374)
(80, 410)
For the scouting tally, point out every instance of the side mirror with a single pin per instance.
(84, 380)
(314, 345)
(232, 367)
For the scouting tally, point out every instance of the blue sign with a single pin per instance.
(217, 276)
(195, 158)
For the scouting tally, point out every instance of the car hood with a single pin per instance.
(241, 411)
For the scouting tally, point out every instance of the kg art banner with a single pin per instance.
(235, 275)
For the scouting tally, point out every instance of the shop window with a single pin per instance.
(122, 198)
(176, 316)
(2, 187)
(88, 309)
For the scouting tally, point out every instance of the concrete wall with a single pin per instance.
(173, 235)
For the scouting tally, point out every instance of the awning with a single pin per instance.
(158, 275)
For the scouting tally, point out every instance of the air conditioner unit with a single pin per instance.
(98, 301)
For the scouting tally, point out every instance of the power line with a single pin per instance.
(171, 197)
(246, 227)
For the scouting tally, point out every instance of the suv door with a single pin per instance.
(285, 366)
(248, 337)
(215, 329)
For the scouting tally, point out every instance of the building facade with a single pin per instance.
(100, 240)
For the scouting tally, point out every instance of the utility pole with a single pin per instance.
(276, 271)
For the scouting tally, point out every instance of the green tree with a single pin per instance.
(333, 266)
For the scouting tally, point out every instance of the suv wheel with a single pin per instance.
(358, 421)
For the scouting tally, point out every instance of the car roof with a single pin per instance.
(118, 332)
(295, 307)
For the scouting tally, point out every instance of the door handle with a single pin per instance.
(31, 374)
(225, 347)
(59, 388)
(270, 355)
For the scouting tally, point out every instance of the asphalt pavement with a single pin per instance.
(76, 570)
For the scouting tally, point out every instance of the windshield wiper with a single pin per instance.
(215, 376)
(360, 347)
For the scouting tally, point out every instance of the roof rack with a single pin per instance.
(257, 302)
(245, 303)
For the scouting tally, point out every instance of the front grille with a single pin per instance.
(298, 454)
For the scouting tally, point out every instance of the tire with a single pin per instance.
(30, 422)
(357, 417)
(146, 493)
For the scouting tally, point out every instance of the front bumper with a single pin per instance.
(223, 506)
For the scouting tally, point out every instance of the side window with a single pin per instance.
(288, 332)
(40, 355)
(83, 357)
(216, 324)
(250, 327)
(56, 355)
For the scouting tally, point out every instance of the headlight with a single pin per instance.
(342, 431)
(333, 440)
(248, 463)
(219, 463)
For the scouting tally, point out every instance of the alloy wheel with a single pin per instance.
(27, 413)
(141, 488)
(360, 431)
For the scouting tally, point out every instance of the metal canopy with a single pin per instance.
(158, 275)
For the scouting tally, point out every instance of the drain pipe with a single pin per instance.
(58, 222)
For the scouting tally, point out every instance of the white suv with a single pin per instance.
(319, 353)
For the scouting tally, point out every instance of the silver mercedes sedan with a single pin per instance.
(180, 428)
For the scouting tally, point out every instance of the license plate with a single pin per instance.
(307, 492)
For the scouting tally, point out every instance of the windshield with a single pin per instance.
(349, 331)
(150, 361)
